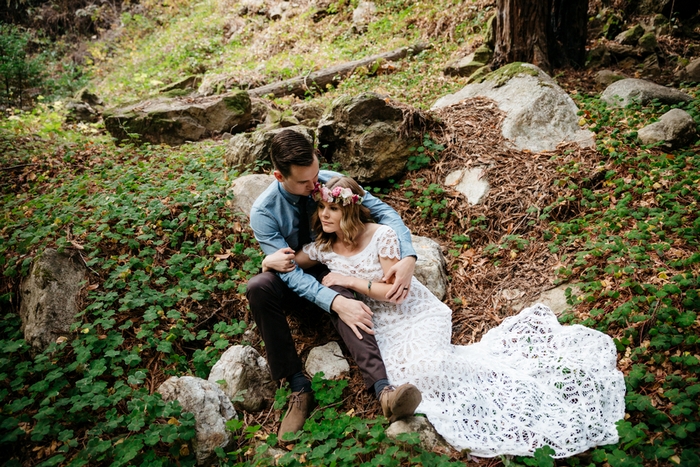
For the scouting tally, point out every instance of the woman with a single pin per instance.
(530, 382)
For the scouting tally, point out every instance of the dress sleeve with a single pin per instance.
(311, 250)
(388, 244)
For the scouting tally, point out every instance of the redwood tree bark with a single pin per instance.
(522, 32)
(546, 33)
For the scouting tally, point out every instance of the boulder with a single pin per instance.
(470, 183)
(174, 121)
(676, 127)
(490, 34)
(630, 36)
(361, 133)
(243, 370)
(49, 297)
(79, 111)
(598, 56)
(429, 438)
(431, 265)
(211, 409)
(244, 150)
(539, 114)
(626, 91)
(328, 359)
(246, 190)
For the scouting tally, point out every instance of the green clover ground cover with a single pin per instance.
(634, 249)
(150, 224)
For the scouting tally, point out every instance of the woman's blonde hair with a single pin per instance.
(352, 218)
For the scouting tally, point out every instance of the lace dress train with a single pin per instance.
(528, 383)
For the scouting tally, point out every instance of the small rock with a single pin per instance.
(79, 111)
(692, 71)
(243, 369)
(624, 92)
(89, 97)
(246, 190)
(676, 127)
(465, 66)
(211, 409)
(328, 359)
(363, 15)
(470, 183)
(511, 294)
(554, 298)
(650, 67)
(429, 438)
(431, 265)
(607, 77)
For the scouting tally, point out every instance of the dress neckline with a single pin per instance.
(371, 240)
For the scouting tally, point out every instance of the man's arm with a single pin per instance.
(267, 234)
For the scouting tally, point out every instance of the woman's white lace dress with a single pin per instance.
(530, 382)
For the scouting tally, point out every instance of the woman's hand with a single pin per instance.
(281, 261)
(333, 278)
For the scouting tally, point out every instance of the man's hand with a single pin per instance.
(401, 274)
(281, 260)
(354, 313)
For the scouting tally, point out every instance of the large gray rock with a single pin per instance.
(49, 297)
(429, 438)
(328, 359)
(246, 190)
(244, 150)
(211, 409)
(175, 121)
(361, 133)
(676, 127)
(626, 91)
(431, 265)
(241, 368)
(539, 114)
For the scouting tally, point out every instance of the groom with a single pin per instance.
(280, 218)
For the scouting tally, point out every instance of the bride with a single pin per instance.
(529, 382)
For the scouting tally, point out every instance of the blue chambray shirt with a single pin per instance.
(274, 218)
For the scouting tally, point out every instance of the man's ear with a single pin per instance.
(278, 176)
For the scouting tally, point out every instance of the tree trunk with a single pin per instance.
(522, 32)
(569, 21)
(546, 33)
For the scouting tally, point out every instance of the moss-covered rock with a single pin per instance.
(648, 42)
(502, 75)
(174, 121)
(630, 36)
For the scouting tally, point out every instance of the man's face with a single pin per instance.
(301, 180)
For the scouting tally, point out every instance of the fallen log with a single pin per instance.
(318, 80)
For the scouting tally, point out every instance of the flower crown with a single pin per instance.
(337, 195)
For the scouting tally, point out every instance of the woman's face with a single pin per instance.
(330, 214)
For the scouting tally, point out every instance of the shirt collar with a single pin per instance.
(292, 199)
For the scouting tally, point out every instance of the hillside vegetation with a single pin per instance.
(168, 257)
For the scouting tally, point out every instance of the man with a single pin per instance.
(280, 218)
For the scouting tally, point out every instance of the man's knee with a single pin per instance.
(262, 283)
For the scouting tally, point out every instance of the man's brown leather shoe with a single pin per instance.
(399, 402)
(300, 406)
